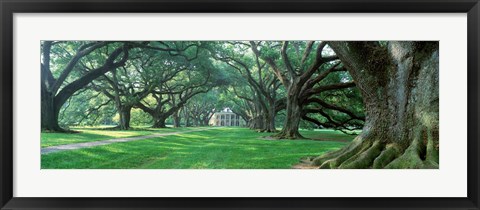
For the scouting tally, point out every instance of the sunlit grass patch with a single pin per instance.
(219, 148)
(327, 135)
(88, 134)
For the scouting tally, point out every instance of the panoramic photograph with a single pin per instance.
(246, 104)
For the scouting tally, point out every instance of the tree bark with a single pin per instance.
(257, 122)
(125, 112)
(195, 122)
(293, 114)
(399, 85)
(159, 122)
(270, 118)
(176, 120)
(205, 122)
(187, 117)
(49, 121)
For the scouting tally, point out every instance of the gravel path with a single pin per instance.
(59, 148)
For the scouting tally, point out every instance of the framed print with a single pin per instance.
(239, 105)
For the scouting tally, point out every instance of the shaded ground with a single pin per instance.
(319, 135)
(65, 147)
(222, 148)
(96, 134)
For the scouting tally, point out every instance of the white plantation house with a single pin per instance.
(226, 118)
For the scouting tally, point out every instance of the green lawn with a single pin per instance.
(88, 134)
(219, 148)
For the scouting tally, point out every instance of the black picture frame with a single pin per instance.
(9, 7)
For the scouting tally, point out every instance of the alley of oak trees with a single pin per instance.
(389, 90)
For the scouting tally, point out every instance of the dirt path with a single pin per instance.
(59, 148)
(305, 163)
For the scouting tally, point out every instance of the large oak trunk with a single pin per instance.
(159, 122)
(205, 122)
(176, 119)
(125, 112)
(293, 115)
(399, 85)
(257, 122)
(53, 98)
(269, 119)
(186, 117)
(49, 121)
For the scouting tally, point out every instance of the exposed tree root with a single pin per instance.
(351, 150)
(364, 152)
(389, 154)
(266, 131)
(288, 135)
(416, 155)
(365, 158)
(305, 163)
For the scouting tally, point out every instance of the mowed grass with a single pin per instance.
(88, 134)
(328, 135)
(218, 148)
